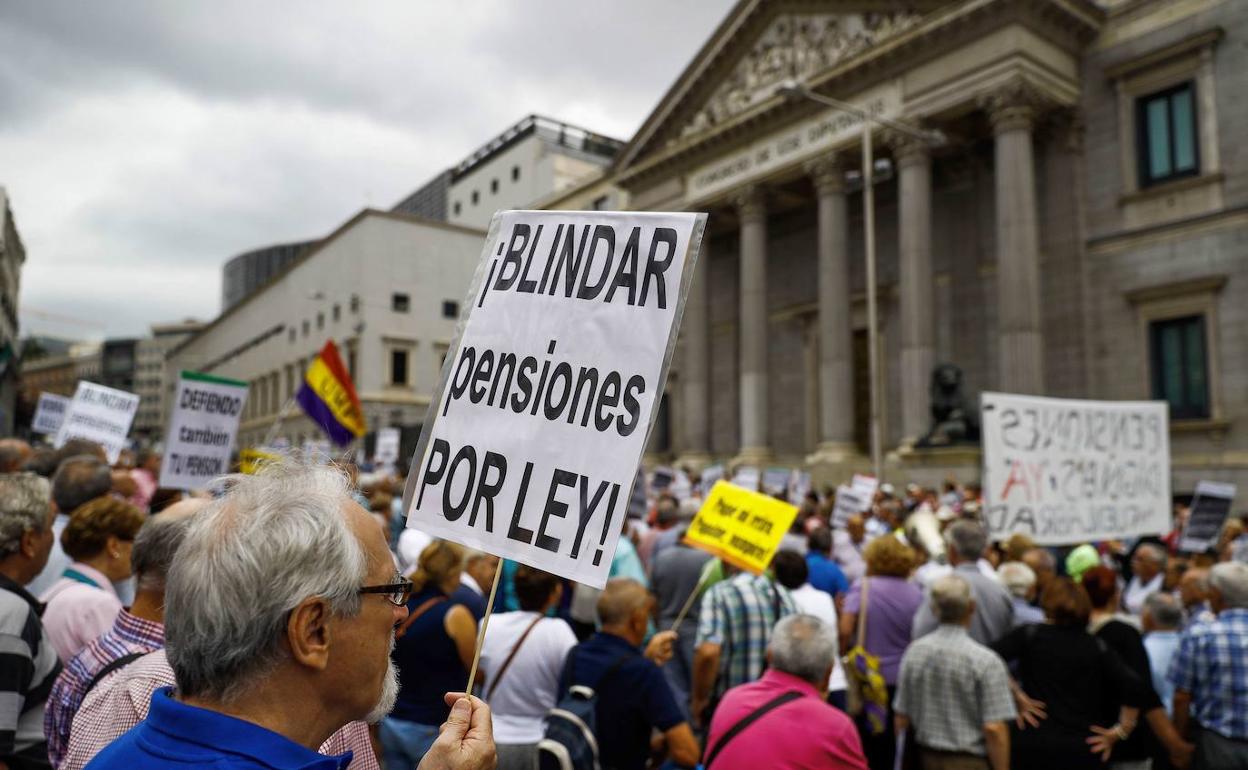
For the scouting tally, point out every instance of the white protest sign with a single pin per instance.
(776, 481)
(1065, 471)
(707, 478)
(747, 477)
(850, 501)
(203, 426)
(1210, 507)
(536, 432)
(100, 414)
(387, 450)
(49, 414)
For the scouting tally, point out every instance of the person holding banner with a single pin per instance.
(434, 649)
(292, 641)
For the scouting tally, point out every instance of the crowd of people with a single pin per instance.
(289, 619)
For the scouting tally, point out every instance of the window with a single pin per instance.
(600, 203)
(306, 328)
(450, 309)
(515, 173)
(292, 334)
(355, 303)
(456, 208)
(398, 367)
(337, 313)
(400, 303)
(475, 197)
(493, 186)
(1167, 146)
(1179, 365)
(320, 321)
(351, 362)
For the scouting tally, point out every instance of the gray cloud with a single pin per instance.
(142, 143)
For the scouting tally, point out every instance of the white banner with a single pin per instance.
(203, 427)
(547, 398)
(100, 414)
(387, 449)
(49, 414)
(1066, 471)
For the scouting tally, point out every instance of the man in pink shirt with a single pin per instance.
(783, 716)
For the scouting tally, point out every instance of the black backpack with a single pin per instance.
(571, 742)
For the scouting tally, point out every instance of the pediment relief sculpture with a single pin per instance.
(795, 46)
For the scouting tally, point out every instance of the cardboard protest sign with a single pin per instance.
(710, 474)
(1210, 507)
(202, 428)
(535, 435)
(853, 498)
(1067, 471)
(741, 527)
(387, 451)
(100, 414)
(49, 414)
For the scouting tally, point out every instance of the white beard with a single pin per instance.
(389, 693)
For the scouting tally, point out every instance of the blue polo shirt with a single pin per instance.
(825, 574)
(634, 699)
(176, 735)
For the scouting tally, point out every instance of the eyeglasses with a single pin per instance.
(397, 592)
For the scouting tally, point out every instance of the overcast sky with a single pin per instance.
(144, 143)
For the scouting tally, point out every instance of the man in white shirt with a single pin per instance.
(522, 659)
(792, 573)
(1148, 567)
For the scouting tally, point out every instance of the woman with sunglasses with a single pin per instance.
(433, 650)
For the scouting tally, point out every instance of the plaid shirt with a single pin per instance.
(1212, 665)
(122, 701)
(738, 614)
(951, 686)
(128, 635)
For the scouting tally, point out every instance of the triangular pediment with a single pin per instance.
(758, 46)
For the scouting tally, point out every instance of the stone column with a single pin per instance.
(752, 324)
(1020, 359)
(695, 370)
(835, 329)
(917, 294)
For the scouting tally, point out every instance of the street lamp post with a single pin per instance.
(792, 89)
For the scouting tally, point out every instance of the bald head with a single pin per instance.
(620, 601)
(1194, 586)
(13, 454)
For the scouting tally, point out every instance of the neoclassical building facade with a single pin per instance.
(1081, 230)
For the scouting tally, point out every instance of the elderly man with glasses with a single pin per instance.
(280, 617)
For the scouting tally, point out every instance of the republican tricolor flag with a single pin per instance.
(328, 397)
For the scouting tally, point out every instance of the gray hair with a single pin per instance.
(1017, 577)
(1230, 579)
(248, 559)
(154, 549)
(23, 508)
(951, 598)
(80, 479)
(1154, 552)
(1164, 609)
(967, 538)
(804, 646)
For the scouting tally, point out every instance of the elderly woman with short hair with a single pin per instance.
(892, 601)
(83, 604)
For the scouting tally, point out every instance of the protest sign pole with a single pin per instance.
(697, 590)
(277, 423)
(485, 621)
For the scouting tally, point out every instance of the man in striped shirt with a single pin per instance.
(28, 663)
(136, 631)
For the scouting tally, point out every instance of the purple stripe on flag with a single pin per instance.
(320, 413)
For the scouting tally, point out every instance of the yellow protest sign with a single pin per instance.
(250, 460)
(741, 527)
